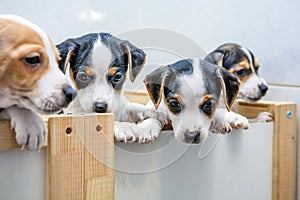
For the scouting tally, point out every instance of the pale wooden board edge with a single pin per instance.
(7, 135)
(138, 96)
(284, 152)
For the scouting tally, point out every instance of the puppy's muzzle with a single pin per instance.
(192, 137)
(263, 88)
(70, 93)
(100, 107)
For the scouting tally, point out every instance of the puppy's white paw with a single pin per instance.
(125, 131)
(149, 130)
(264, 117)
(144, 132)
(237, 121)
(30, 129)
(154, 114)
(221, 127)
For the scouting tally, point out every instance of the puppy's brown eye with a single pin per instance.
(117, 77)
(32, 60)
(208, 106)
(174, 105)
(241, 72)
(83, 77)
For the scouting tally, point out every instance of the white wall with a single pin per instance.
(269, 28)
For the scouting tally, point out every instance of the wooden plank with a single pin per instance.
(100, 188)
(284, 152)
(99, 157)
(8, 137)
(251, 110)
(65, 158)
(80, 157)
(138, 96)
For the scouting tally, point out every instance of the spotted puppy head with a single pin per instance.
(29, 72)
(241, 62)
(190, 90)
(99, 64)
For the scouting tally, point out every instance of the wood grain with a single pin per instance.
(80, 157)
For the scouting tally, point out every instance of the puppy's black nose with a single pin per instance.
(192, 137)
(70, 93)
(263, 88)
(100, 107)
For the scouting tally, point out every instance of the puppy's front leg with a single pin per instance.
(224, 121)
(149, 123)
(219, 123)
(150, 130)
(262, 117)
(30, 128)
(237, 121)
(138, 112)
(144, 132)
(126, 132)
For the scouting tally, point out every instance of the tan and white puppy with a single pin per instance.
(241, 62)
(30, 80)
(188, 92)
(99, 64)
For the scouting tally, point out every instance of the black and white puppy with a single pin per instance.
(241, 62)
(98, 64)
(188, 92)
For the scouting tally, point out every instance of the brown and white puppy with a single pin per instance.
(98, 65)
(241, 62)
(188, 92)
(30, 80)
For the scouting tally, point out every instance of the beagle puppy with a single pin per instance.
(188, 92)
(241, 62)
(30, 80)
(98, 65)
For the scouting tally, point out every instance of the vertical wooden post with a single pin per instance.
(284, 152)
(80, 157)
(99, 157)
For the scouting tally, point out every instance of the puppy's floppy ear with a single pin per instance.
(155, 82)
(67, 50)
(136, 59)
(215, 57)
(230, 86)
